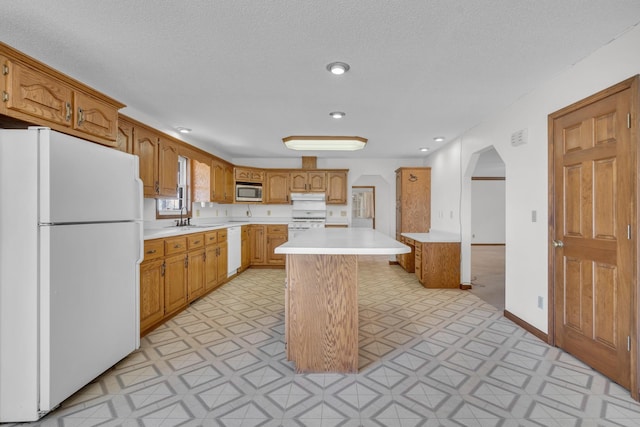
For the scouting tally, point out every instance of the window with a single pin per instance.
(172, 208)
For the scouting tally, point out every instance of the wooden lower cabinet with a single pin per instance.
(177, 271)
(151, 293)
(263, 240)
(437, 264)
(407, 261)
(245, 244)
(276, 236)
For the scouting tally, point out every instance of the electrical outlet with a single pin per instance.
(216, 212)
(268, 213)
(534, 216)
(343, 213)
(330, 213)
(197, 212)
(540, 302)
(247, 213)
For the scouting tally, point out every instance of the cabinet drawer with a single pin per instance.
(153, 249)
(175, 245)
(211, 237)
(222, 235)
(277, 229)
(195, 241)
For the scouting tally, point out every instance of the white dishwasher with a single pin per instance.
(234, 249)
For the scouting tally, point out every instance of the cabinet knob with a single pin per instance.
(80, 116)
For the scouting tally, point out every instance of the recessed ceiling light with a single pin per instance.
(325, 143)
(439, 139)
(337, 114)
(424, 149)
(338, 68)
(183, 129)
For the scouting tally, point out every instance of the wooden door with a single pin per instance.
(151, 293)
(195, 274)
(175, 283)
(277, 187)
(222, 262)
(593, 250)
(168, 169)
(146, 148)
(124, 137)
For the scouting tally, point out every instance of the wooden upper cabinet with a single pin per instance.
(168, 168)
(217, 180)
(249, 175)
(337, 187)
(147, 148)
(413, 198)
(229, 184)
(276, 188)
(37, 94)
(308, 181)
(124, 137)
(94, 117)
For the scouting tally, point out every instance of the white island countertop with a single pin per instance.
(434, 236)
(341, 241)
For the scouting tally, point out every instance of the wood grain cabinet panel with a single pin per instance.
(168, 169)
(147, 148)
(276, 188)
(337, 187)
(276, 236)
(413, 206)
(175, 283)
(124, 136)
(95, 117)
(151, 293)
(439, 265)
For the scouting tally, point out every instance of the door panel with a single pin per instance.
(593, 192)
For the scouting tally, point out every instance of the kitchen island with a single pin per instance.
(321, 295)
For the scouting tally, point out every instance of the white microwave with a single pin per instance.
(248, 192)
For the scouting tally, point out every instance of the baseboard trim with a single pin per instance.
(526, 326)
(465, 287)
(394, 263)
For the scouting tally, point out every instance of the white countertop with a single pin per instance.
(434, 236)
(341, 241)
(172, 230)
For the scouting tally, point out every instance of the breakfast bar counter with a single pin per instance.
(321, 295)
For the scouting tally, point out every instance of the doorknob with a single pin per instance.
(558, 244)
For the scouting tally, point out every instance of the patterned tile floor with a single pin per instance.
(427, 358)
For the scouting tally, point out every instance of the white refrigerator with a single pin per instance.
(70, 248)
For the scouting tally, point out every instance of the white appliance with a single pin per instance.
(309, 210)
(70, 247)
(234, 249)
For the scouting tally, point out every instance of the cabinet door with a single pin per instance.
(175, 283)
(211, 267)
(277, 187)
(38, 95)
(147, 147)
(168, 168)
(95, 117)
(273, 241)
(245, 244)
(217, 181)
(317, 181)
(258, 249)
(229, 184)
(298, 181)
(124, 136)
(151, 293)
(195, 274)
(222, 262)
(337, 188)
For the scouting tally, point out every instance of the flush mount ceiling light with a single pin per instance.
(338, 68)
(325, 143)
(439, 139)
(424, 149)
(183, 129)
(337, 114)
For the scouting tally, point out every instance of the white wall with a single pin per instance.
(487, 212)
(526, 171)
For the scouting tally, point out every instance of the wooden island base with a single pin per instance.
(321, 312)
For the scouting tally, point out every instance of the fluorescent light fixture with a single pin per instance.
(337, 114)
(325, 143)
(439, 139)
(338, 68)
(183, 129)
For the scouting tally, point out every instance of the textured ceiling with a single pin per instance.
(244, 74)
